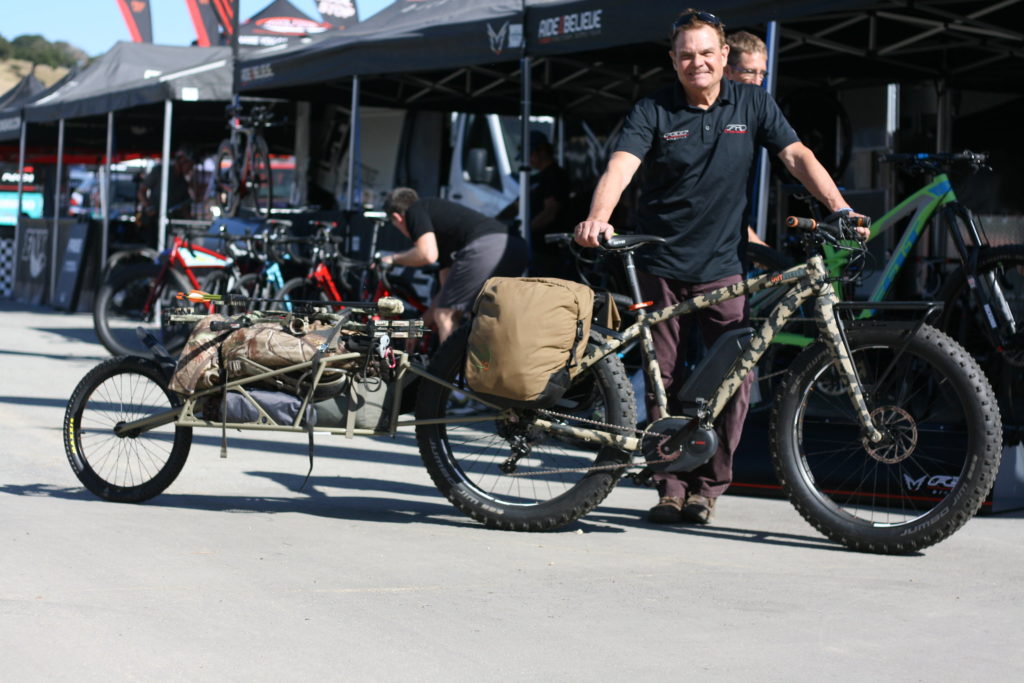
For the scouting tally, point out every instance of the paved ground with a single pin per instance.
(369, 574)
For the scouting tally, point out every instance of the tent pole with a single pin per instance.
(353, 135)
(165, 174)
(21, 189)
(763, 168)
(524, 166)
(104, 245)
(56, 209)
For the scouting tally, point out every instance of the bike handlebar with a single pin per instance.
(936, 159)
(841, 229)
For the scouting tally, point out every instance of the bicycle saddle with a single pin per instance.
(631, 242)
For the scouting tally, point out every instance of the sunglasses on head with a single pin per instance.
(689, 17)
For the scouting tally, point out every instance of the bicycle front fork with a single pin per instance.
(832, 332)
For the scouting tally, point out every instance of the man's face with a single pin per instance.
(751, 67)
(698, 58)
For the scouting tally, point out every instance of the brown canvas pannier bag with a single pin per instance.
(526, 340)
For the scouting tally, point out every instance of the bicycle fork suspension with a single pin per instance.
(831, 330)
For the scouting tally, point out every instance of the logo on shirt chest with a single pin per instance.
(740, 128)
(676, 135)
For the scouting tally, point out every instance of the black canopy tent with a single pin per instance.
(130, 77)
(593, 58)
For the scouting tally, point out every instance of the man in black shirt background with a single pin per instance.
(549, 204)
(469, 246)
(696, 141)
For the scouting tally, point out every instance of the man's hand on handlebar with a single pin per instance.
(863, 233)
(588, 232)
(384, 261)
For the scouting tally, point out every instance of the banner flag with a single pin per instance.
(137, 16)
(206, 22)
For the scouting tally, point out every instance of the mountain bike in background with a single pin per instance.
(242, 164)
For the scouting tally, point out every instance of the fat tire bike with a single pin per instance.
(886, 437)
(983, 297)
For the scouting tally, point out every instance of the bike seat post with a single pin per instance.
(634, 283)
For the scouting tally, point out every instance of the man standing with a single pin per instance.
(696, 140)
(469, 246)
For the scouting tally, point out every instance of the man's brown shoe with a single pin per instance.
(669, 510)
(698, 509)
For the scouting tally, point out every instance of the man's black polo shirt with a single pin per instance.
(696, 164)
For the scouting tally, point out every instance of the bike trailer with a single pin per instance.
(526, 338)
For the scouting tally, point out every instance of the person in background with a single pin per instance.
(691, 138)
(469, 246)
(549, 203)
(179, 194)
(748, 63)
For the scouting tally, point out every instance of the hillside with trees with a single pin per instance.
(35, 54)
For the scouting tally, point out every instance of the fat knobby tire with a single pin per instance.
(981, 462)
(442, 464)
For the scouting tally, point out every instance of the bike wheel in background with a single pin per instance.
(473, 464)
(119, 309)
(132, 467)
(298, 292)
(933, 469)
(963, 319)
(261, 179)
(226, 179)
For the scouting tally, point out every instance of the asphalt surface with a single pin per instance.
(368, 574)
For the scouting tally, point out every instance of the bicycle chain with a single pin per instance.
(593, 468)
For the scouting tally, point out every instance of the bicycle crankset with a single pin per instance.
(674, 444)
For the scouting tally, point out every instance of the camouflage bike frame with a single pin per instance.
(803, 282)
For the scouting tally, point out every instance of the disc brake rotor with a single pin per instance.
(900, 430)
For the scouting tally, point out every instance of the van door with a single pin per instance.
(480, 175)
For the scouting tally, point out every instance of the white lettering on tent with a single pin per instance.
(567, 25)
(258, 72)
(189, 94)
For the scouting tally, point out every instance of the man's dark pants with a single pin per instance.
(712, 478)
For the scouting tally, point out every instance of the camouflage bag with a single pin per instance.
(526, 339)
(198, 365)
(271, 345)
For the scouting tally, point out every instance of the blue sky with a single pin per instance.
(95, 25)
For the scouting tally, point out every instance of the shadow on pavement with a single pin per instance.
(620, 519)
(387, 510)
(53, 356)
(82, 334)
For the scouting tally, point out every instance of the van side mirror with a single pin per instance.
(476, 166)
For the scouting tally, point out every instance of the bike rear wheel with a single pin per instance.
(551, 486)
(226, 179)
(933, 470)
(131, 468)
(261, 179)
(120, 308)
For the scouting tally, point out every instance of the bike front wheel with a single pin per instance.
(554, 480)
(936, 463)
(133, 467)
